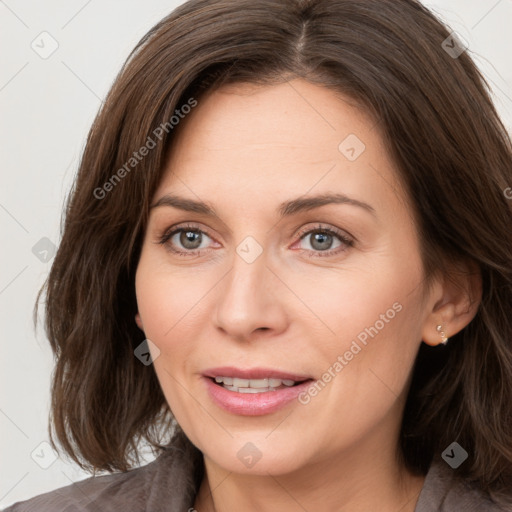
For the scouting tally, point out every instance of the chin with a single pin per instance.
(257, 457)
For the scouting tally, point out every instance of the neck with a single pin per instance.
(357, 481)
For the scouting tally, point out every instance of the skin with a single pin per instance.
(245, 149)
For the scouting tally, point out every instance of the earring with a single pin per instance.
(439, 329)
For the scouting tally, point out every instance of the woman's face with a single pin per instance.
(280, 284)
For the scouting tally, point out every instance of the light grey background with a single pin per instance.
(47, 106)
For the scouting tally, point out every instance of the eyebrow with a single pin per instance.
(285, 209)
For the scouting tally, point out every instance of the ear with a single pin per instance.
(453, 302)
(138, 321)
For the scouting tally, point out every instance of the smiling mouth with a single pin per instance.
(254, 385)
(254, 391)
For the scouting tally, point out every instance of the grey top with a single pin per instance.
(168, 484)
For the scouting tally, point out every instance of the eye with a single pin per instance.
(321, 240)
(190, 238)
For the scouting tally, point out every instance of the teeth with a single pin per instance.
(248, 390)
(252, 385)
(254, 390)
(259, 383)
(240, 383)
(227, 380)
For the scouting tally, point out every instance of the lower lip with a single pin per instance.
(254, 404)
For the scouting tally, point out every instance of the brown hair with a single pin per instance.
(450, 149)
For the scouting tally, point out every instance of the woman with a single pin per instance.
(291, 228)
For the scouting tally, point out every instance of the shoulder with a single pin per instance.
(89, 494)
(165, 482)
(444, 492)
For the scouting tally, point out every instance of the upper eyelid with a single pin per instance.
(180, 227)
(191, 225)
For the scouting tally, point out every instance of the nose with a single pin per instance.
(250, 299)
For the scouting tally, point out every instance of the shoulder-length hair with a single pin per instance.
(451, 151)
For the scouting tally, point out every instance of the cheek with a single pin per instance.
(374, 315)
(172, 303)
(165, 305)
(166, 298)
(364, 369)
(363, 304)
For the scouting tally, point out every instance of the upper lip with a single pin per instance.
(254, 373)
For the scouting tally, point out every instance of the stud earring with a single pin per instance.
(439, 329)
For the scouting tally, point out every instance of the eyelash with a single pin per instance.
(348, 242)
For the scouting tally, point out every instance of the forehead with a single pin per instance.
(297, 115)
(285, 140)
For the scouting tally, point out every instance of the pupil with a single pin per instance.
(188, 238)
(322, 237)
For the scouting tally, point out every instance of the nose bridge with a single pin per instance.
(245, 302)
